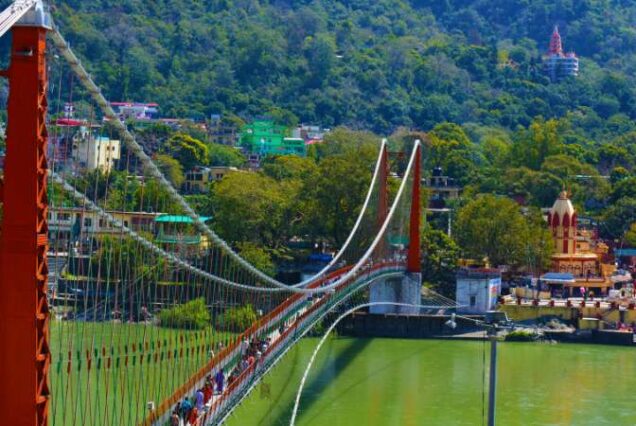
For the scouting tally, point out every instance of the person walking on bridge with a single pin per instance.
(200, 397)
(244, 346)
(219, 378)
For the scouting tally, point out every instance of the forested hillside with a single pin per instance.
(467, 72)
(365, 64)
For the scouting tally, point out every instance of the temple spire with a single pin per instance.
(556, 47)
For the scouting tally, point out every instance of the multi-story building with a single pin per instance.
(92, 152)
(198, 179)
(262, 138)
(309, 133)
(135, 110)
(441, 188)
(221, 132)
(557, 64)
(69, 223)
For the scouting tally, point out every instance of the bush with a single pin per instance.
(236, 319)
(191, 315)
(521, 336)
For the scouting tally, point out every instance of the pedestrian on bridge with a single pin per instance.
(199, 398)
(186, 408)
(193, 419)
(244, 346)
(219, 378)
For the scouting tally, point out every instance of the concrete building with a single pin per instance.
(264, 138)
(198, 180)
(441, 188)
(92, 152)
(558, 64)
(477, 290)
(222, 132)
(135, 110)
(69, 223)
(310, 133)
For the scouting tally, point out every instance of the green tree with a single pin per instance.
(171, 169)
(617, 174)
(618, 217)
(540, 188)
(235, 319)
(289, 167)
(440, 256)
(539, 244)
(492, 228)
(258, 257)
(630, 235)
(335, 196)
(533, 145)
(188, 151)
(221, 155)
(192, 315)
(250, 207)
(624, 188)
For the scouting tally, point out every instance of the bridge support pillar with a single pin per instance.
(24, 311)
(397, 290)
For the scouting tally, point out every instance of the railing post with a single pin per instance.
(24, 311)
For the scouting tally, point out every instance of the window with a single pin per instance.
(473, 300)
(63, 217)
(88, 222)
(126, 223)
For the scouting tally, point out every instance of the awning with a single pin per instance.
(170, 218)
(558, 278)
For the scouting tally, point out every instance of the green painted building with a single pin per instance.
(264, 137)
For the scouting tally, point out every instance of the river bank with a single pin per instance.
(363, 325)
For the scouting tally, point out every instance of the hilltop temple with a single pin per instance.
(577, 252)
(558, 64)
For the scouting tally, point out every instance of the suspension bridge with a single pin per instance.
(89, 329)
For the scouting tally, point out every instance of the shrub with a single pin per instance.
(236, 319)
(521, 336)
(191, 315)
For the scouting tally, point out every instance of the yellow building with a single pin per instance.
(576, 252)
(68, 223)
(198, 179)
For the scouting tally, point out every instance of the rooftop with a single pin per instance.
(170, 218)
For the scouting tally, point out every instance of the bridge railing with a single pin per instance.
(247, 378)
(230, 354)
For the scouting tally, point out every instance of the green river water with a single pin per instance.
(440, 382)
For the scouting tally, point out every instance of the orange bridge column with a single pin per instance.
(24, 312)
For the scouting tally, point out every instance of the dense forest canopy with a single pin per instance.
(464, 76)
(375, 65)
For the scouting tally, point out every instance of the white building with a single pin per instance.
(95, 152)
(477, 290)
(135, 110)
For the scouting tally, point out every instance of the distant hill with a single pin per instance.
(365, 64)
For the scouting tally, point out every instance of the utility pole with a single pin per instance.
(492, 383)
(492, 328)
